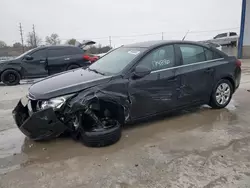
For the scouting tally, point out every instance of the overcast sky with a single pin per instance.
(93, 19)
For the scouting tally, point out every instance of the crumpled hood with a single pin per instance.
(65, 83)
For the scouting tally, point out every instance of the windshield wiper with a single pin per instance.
(96, 71)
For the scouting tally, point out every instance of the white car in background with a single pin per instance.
(229, 38)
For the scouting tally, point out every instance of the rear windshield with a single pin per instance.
(115, 61)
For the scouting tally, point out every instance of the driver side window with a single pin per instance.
(39, 54)
(160, 58)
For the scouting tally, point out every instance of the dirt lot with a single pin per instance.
(197, 148)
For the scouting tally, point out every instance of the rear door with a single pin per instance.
(196, 73)
(36, 67)
(60, 58)
(57, 60)
(156, 92)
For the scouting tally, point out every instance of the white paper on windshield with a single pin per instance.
(134, 52)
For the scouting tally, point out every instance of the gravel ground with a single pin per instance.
(196, 148)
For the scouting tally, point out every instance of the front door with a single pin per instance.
(36, 66)
(196, 73)
(157, 91)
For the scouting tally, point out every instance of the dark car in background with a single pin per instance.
(44, 61)
(129, 83)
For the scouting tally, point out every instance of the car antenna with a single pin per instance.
(185, 35)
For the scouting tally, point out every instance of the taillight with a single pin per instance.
(91, 59)
(86, 57)
(238, 63)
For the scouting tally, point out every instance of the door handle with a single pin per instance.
(42, 61)
(66, 59)
(209, 70)
(174, 78)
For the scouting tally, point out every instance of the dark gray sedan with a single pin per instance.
(129, 83)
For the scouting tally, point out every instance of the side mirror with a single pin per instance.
(28, 57)
(141, 71)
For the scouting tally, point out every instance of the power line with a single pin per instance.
(123, 37)
(161, 33)
(147, 34)
(205, 31)
(151, 34)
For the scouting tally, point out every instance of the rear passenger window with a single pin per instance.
(209, 54)
(73, 51)
(57, 52)
(192, 53)
(160, 58)
(64, 51)
(217, 56)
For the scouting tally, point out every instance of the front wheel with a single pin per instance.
(222, 94)
(101, 137)
(10, 77)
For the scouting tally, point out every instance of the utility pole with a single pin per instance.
(110, 43)
(162, 37)
(21, 33)
(34, 33)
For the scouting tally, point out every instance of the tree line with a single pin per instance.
(33, 41)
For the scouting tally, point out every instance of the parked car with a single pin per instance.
(229, 38)
(44, 61)
(130, 83)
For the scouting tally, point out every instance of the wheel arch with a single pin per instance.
(15, 69)
(229, 78)
(117, 110)
(72, 64)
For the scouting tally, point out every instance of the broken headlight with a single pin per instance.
(54, 103)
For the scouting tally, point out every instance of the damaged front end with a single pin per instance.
(40, 120)
(92, 112)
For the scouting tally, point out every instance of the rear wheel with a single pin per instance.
(10, 77)
(70, 67)
(222, 94)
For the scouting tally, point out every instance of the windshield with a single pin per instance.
(25, 53)
(116, 61)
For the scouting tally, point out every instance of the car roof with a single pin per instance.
(56, 46)
(156, 43)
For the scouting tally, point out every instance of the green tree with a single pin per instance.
(71, 41)
(53, 39)
(33, 40)
(2, 44)
(17, 45)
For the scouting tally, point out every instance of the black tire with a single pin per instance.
(102, 137)
(10, 77)
(213, 102)
(70, 67)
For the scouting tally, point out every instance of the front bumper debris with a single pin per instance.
(39, 125)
